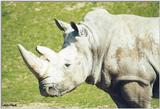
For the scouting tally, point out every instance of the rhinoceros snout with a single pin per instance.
(49, 91)
(52, 91)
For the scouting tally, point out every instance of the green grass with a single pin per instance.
(31, 24)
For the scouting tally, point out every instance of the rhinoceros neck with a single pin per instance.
(99, 42)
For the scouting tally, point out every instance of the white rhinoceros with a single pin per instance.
(120, 54)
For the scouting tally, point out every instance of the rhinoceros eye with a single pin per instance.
(67, 65)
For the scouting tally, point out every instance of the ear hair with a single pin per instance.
(74, 26)
(58, 24)
(84, 32)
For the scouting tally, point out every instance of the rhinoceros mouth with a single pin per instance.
(61, 92)
(51, 90)
(67, 91)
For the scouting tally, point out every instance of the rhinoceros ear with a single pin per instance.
(78, 28)
(62, 25)
(35, 64)
(74, 26)
(47, 53)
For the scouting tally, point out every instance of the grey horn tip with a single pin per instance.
(20, 47)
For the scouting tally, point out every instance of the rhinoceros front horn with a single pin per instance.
(35, 64)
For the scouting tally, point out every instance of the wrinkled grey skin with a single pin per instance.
(120, 54)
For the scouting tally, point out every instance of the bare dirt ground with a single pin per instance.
(27, 107)
(41, 106)
(44, 107)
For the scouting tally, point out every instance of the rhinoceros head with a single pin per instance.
(60, 72)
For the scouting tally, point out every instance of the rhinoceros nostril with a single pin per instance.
(50, 88)
(52, 91)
